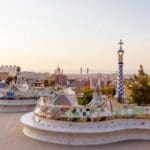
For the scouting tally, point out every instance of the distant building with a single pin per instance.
(11, 70)
(32, 77)
(78, 82)
(4, 76)
(39, 84)
(59, 77)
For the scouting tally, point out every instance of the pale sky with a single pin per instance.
(39, 35)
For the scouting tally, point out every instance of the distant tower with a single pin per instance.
(87, 71)
(58, 70)
(81, 72)
(120, 94)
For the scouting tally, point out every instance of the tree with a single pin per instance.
(9, 79)
(140, 88)
(87, 95)
(86, 89)
(46, 83)
(18, 70)
(108, 90)
(52, 82)
(15, 77)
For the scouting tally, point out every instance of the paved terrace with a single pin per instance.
(12, 137)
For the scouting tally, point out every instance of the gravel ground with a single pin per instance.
(12, 137)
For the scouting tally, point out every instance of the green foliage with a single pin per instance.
(15, 78)
(18, 69)
(108, 90)
(87, 97)
(9, 79)
(46, 83)
(51, 82)
(86, 89)
(140, 88)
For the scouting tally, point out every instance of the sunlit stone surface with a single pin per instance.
(17, 105)
(85, 133)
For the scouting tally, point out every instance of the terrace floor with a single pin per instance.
(12, 137)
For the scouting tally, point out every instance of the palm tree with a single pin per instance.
(18, 72)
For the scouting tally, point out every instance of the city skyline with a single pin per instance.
(40, 35)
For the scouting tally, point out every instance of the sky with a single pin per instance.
(39, 35)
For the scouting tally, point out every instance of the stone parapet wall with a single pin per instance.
(18, 102)
(17, 105)
(85, 133)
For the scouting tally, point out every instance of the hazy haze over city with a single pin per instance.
(38, 35)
